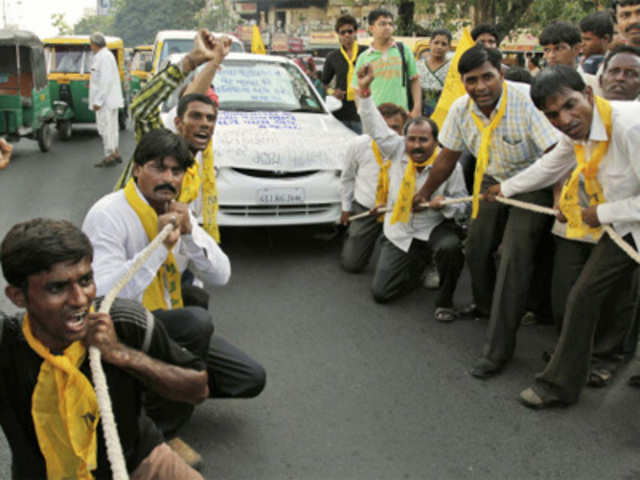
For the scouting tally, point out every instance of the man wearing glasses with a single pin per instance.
(340, 65)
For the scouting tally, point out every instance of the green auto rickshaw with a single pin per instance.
(25, 103)
(140, 69)
(69, 68)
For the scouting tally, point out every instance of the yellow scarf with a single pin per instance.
(351, 94)
(191, 188)
(485, 147)
(569, 198)
(404, 203)
(65, 412)
(153, 297)
(382, 190)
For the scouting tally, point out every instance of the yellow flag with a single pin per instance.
(453, 86)
(256, 41)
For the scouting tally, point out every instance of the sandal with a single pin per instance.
(105, 162)
(445, 315)
(538, 398)
(599, 378)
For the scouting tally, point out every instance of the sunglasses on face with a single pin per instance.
(346, 32)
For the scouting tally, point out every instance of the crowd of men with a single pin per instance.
(566, 141)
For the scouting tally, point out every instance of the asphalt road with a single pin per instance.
(355, 390)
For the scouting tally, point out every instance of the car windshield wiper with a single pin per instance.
(306, 109)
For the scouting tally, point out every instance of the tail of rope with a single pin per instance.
(112, 440)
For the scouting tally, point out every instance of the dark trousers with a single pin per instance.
(360, 242)
(606, 268)
(610, 340)
(232, 373)
(505, 293)
(398, 272)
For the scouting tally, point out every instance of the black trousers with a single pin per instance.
(360, 243)
(398, 272)
(606, 268)
(232, 373)
(505, 292)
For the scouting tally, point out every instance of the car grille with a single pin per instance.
(274, 173)
(275, 210)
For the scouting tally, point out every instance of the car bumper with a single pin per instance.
(260, 199)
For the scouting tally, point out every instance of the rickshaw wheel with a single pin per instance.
(64, 129)
(45, 137)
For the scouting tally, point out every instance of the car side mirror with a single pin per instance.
(333, 104)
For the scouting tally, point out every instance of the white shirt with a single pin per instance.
(619, 172)
(105, 90)
(392, 146)
(118, 237)
(359, 179)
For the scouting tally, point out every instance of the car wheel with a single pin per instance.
(45, 137)
(122, 119)
(64, 129)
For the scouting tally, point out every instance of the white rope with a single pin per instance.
(532, 207)
(114, 448)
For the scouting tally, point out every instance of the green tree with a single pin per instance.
(94, 23)
(59, 22)
(507, 15)
(218, 17)
(137, 21)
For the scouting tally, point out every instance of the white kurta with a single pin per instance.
(105, 92)
(118, 237)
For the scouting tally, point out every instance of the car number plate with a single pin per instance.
(274, 196)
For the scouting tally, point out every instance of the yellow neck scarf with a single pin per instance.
(64, 409)
(569, 198)
(168, 275)
(191, 189)
(351, 94)
(485, 147)
(382, 190)
(402, 208)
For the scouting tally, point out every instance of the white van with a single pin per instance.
(181, 41)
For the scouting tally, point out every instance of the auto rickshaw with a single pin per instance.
(69, 68)
(140, 69)
(25, 104)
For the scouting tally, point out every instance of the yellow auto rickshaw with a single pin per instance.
(69, 68)
(140, 70)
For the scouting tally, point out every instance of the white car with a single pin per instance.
(278, 150)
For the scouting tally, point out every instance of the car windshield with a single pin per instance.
(140, 60)
(264, 86)
(68, 58)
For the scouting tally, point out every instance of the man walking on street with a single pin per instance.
(105, 98)
(341, 66)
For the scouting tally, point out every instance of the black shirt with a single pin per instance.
(336, 65)
(19, 369)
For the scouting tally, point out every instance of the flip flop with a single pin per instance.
(599, 378)
(445, 315)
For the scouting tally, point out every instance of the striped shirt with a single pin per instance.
(145, 108)
(522, 136)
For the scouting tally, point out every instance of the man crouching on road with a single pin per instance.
(412, 238)
(121, 224)
(49, 412)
